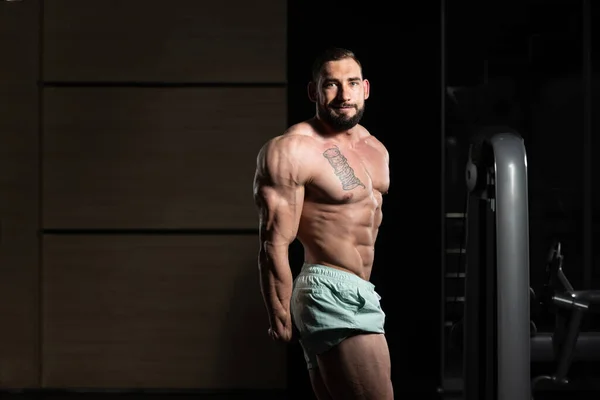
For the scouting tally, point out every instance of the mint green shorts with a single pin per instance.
(329, 305)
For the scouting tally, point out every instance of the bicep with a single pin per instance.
(279, 189)
(280, 208)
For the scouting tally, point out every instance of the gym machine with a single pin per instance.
(497, 316)
(500, 340)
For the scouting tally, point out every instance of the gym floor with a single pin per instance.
(542, 395)
(453, 391)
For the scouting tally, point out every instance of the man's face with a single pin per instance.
(340, 94)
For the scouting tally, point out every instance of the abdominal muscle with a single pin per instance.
(341, 236)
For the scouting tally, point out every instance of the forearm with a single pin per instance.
(276, 284)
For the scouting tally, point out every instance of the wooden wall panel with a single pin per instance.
(19, 199)
(174, 41)
(155, 158)
(156, 312)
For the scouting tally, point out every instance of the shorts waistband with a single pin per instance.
(335, 274)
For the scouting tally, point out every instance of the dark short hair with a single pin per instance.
(331, 54)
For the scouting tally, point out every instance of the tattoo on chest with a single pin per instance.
(342, 169)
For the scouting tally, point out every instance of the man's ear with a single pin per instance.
(367, 86)
(312, 91)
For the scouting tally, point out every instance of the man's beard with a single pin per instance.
(341, 122)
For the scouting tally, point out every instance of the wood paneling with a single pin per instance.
(19, 164)
(155, 158)
(156, 312)
(174, 41)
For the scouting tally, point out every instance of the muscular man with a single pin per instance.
(322, 182)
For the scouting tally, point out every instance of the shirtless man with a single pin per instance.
(322, 182)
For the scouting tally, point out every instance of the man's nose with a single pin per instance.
(344, 93)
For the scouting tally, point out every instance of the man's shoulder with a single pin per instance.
(288, 153)
(302, 132)
(295, 140)
(374, 141)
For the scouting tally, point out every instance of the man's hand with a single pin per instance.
(286, 336)
(284, 333)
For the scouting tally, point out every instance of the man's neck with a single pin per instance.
(349, 135)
